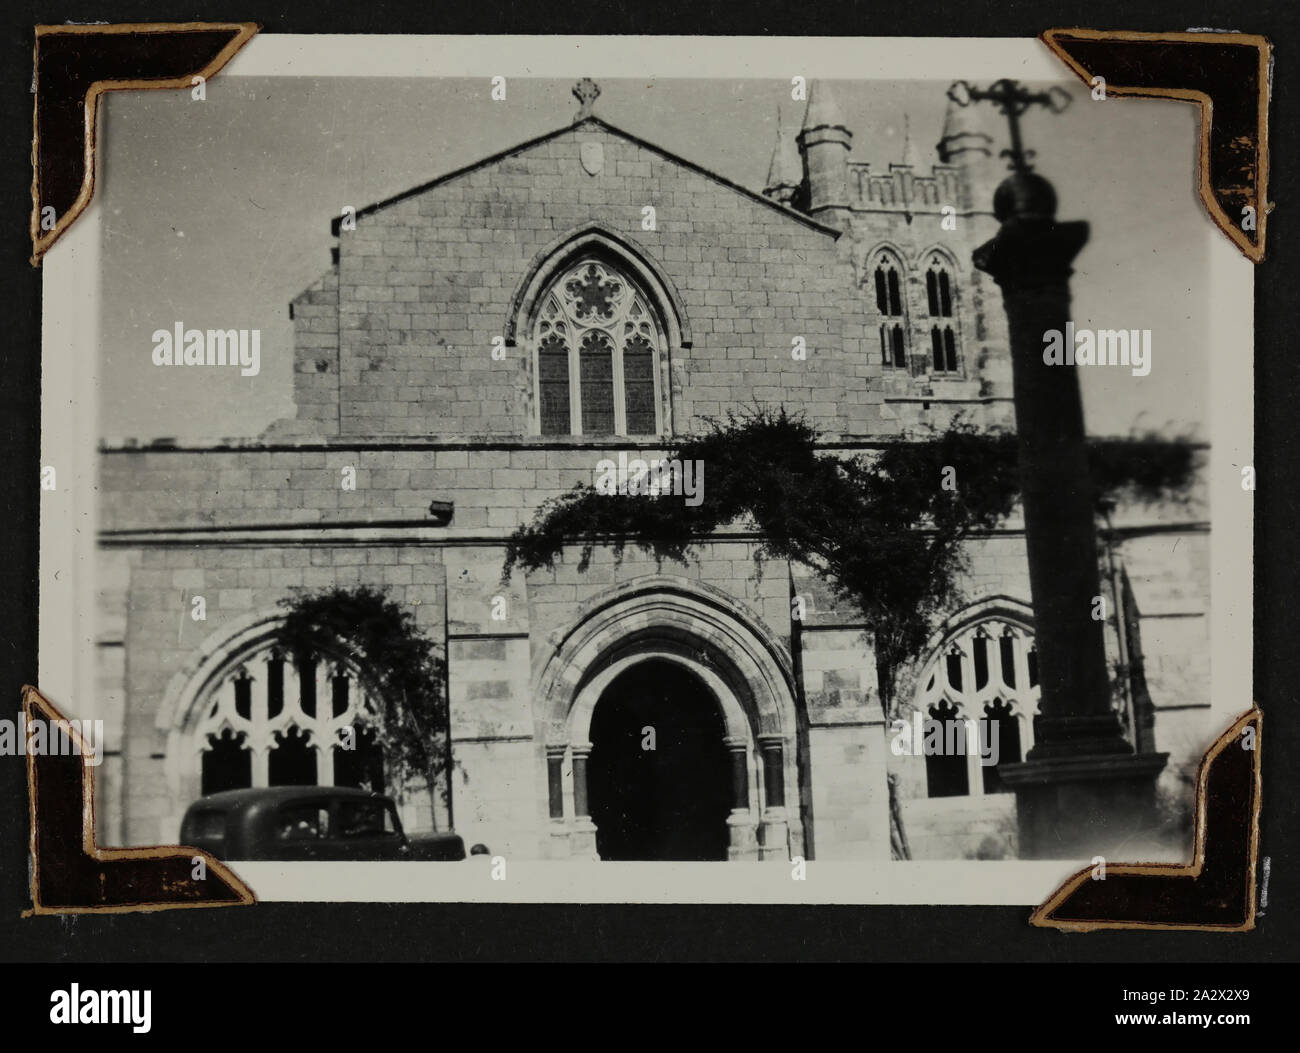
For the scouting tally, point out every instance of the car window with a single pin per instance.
(208, 824)
(302, 822)
(364, 819)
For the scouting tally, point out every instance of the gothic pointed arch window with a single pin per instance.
(940, 302)
(271, 721)
(888, 279)
(599, 345)
(980, 693)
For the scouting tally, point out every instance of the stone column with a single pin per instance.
(742, 831)
(1081, 790)
(555, 781)
(773, 831)
(559, 846)
(583, 841)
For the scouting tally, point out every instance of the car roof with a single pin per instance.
(237, 799)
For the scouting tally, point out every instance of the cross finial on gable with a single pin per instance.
(586, 91)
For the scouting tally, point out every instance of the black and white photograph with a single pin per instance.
(554, 479)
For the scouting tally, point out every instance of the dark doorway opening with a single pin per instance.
(666, 803)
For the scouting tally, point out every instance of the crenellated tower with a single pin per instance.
(932, 326)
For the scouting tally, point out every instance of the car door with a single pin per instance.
(365, 828)
(299, 831)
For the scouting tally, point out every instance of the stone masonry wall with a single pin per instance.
(235, 581)
(424, 285)
(316, 355)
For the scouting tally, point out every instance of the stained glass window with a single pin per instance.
(596, 381)
(639, 383)
(553, 383)
(598, 350)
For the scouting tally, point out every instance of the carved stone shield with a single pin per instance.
(592, 155)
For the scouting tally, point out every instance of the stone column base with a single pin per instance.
(774, 837)
(558, 843)
(582, 839)
(742, 836)
(1085, 806)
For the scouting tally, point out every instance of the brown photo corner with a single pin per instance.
(73, 875)
(1225, 74)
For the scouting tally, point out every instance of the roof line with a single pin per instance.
(420, 443)
(528, 144)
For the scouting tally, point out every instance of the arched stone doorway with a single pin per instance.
(659, 778)
(721, 644)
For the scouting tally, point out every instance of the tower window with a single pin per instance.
(893, 350)
(887, 276)
(889, 299)
(943, 349)
(940, 289)
(598, 348)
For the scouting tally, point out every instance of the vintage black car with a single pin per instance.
(308, 823)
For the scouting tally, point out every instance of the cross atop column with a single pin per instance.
(1083, 789)
(586, 91)
(1013, 99)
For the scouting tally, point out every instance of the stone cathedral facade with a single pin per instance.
(479, 344)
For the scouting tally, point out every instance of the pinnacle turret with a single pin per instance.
(823, 111)
(785, 173)
(825, 142)
(965, 144)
